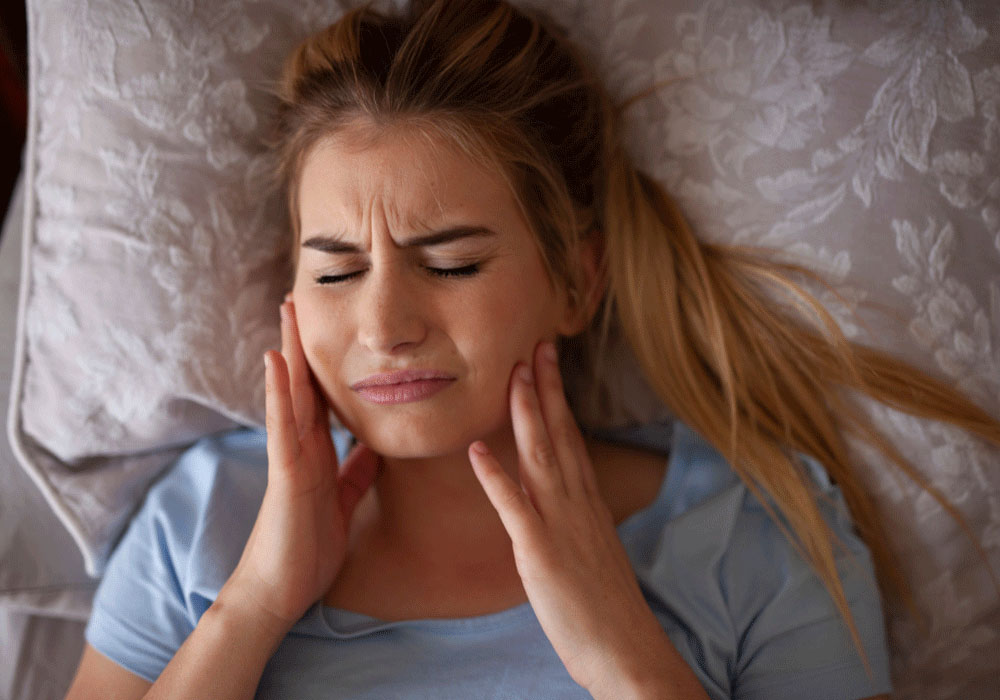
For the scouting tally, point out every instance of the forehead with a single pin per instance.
(407, 175)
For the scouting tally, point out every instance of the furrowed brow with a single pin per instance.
(331, 243)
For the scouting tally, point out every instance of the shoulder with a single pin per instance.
(170, 563)
(203, 508)
(193, 516)
(700, 480)
(219, 470)
(213, 456)
(707, 503)
(737, 595)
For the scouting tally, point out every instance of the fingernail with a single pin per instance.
(480, 447)
(549, 352)
(288, 297)
(284, 312)
(524, 372)
(267, 362)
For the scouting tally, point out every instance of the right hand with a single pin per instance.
(299, 542)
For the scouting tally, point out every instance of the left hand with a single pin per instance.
(572, 564)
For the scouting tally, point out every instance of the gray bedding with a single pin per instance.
(40, 652)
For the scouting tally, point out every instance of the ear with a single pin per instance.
(580, 309)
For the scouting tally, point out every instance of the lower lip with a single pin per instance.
(403, 393)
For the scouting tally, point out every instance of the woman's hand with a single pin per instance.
(298, 543)
(573, 566)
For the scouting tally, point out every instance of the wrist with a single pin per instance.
(241, 613)
(655, 672)
(648, 685)
(633, 683)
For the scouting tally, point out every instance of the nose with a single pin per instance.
(390, 318)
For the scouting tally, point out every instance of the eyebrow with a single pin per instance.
(328, 243)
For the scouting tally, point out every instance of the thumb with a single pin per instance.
(357, 473)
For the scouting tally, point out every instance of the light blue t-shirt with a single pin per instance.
(742, 608)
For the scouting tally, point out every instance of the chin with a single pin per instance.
(411, 444)
(420, 437)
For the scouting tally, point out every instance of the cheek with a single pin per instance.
(322, 344)
(510, 321)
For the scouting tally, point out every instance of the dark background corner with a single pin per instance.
(13, 96)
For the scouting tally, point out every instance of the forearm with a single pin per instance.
(223, 658)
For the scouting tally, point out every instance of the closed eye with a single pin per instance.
(333, 279)
(464, 271)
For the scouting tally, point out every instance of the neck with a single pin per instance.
(435, 507)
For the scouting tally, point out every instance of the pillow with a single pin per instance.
(40, 564)
(151, 243)
(861, 138)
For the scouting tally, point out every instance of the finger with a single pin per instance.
(539, 464)
(357, 474)
(303, 394)
(570, 449)
(282, 442)
(512, 504)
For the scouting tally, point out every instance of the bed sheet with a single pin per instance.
(40, 651)
(40, 655)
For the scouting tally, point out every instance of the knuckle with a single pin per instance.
(513, 499)
(564, 434)
(552, 381)
(544, 454)
(525, 402)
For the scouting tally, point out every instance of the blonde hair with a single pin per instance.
(725, 335)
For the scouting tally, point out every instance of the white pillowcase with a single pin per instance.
(150, 288)
(863, 141)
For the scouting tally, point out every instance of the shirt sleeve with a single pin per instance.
(792, 641)
(180, 548)
(139, 617)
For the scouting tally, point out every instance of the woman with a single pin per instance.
(461, 205)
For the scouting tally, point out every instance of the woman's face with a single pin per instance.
(382, 286)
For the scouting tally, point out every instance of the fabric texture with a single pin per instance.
(41, 569)
(743, 609)
(860, 137)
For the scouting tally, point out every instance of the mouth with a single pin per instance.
(402, 386)
(401, 376)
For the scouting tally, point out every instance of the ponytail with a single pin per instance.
(756, 365)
